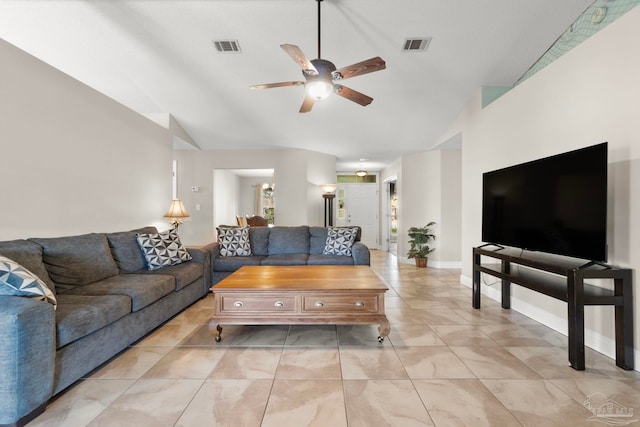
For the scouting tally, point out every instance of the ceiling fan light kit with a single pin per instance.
(321, 76)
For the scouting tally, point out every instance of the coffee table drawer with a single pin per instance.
(340, 303)
(262, 304)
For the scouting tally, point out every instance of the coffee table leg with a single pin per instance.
(216, 330)
(384, 328)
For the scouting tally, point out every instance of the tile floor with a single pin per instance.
(444, 364)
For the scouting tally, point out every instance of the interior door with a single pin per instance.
(357, 204)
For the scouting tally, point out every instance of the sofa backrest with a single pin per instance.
(289, 240)
(29, 255)
(77, 260)
(259, 238)
(126, 251)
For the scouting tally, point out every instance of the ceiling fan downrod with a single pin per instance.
(319, 2)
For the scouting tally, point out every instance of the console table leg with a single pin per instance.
(506, 286)
(575, 315)
(624, 323)
(476, 281)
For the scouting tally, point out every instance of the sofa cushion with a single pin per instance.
(29, 255)
(289, 240)
(77, 260)
(80, 315)
(319, 259)
(143, 289)
(339, 241)
(126, 251)
(232, 263)
(259, 238)
(317, 239)
(185, 273)
(162, 249)
(285, 259)
(234, 241)
(15, 280)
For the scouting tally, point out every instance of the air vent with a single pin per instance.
(416, 44)
(227, 46)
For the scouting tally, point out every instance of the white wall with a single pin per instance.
(590, 95)
(73, 160)
(295, 188)
(247, 194)
(225, 198)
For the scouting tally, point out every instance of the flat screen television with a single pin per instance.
(557, 204)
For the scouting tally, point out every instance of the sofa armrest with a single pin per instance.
(361, 254)
(213, 249)
(27, 358)
(202, 256)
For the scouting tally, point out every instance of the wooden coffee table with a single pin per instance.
(277, 295)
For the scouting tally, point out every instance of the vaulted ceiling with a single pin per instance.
(158, 57)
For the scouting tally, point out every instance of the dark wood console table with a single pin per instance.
(566, 284)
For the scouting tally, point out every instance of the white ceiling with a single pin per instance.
(157, 57)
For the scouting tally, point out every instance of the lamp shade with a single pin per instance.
(177, 214)
(329, 188)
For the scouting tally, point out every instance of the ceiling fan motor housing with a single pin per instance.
(326, 70)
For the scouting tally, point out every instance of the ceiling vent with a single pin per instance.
(416, 44)
(227, 46)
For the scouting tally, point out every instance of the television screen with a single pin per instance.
(557, 204)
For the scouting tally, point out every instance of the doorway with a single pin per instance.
(357, 204)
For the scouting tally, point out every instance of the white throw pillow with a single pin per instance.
(17, 281)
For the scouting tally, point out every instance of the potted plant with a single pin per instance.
(419, 242)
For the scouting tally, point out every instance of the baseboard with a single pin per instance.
(432, 263)
(592, 339)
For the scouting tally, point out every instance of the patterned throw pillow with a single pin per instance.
(162, 249)
(234, 241)
(17, 281)
(339, 241)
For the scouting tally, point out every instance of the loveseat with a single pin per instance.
(299, 245)
(106, 299)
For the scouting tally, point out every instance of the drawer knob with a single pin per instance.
(319, 304)
(238, 304)
(359, 304)
(278, 304)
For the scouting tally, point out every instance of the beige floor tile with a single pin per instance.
(415, 335)
(131, 364)
(493, 362)
(551, 362)
(371, 363)
(463, 335)
(432, 362)
(539, 403)
(82, 403)
(312, 335)
(589, 390)
(248, 363)
(306, 403)
(186, 362)
(308, 363)
(463, 403)
(228, 403)
(361, 335)
(259, 335)
(512, 336)
(152, 402)
(168, 334)
(384, 403)
(195, 316)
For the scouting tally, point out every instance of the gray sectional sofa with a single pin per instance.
(301, 245)
(106, 300)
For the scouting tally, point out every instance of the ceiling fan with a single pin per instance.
(322, 77)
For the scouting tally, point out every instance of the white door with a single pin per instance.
(357, 204)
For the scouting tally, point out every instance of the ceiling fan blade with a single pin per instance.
(353, 95)
(272, 85)
(307, 104)
(297, 55)
(364, 67)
